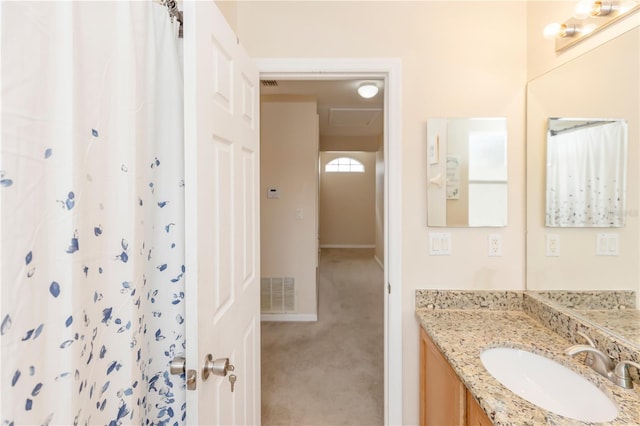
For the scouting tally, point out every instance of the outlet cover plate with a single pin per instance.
(495, 245)
(553, 245)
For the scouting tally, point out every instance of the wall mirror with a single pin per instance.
(467, 172)
(575, 264)
(586, 172)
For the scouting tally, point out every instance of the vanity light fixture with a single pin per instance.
(589, 17)
(368, 90)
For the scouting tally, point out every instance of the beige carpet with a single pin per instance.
(329, 372)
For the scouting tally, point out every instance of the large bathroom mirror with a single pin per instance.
(586, 172)
(467, 170)
(567, 258)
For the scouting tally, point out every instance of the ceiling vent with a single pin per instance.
(269, 83)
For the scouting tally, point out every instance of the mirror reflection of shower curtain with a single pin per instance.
(91, 214)
(586, 174)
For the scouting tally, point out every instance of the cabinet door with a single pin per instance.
(475, 414)
(442, 402)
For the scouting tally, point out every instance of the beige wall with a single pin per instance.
(354, 143)
(347, 202)
(569, 91)
(288, 162)
(229, 9)
(452, 66)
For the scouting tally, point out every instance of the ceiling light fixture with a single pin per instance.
(368, 90)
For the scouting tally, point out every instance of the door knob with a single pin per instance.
(219, 367)
(178, 366)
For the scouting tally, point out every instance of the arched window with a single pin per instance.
(344, 165)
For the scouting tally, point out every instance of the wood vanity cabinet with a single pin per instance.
(444, 400)
(475, 414)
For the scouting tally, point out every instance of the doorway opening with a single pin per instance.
(322, 179)
(388, 72)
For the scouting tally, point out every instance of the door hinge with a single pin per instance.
(389, 287)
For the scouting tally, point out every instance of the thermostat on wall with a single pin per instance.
(273, 193)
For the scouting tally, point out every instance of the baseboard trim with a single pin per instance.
(288, 318)
(379, 262)
(347, 246)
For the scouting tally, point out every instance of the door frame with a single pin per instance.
(389, 69)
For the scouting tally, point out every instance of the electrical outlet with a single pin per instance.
(495, 245)
(439, 243)
(553, 245)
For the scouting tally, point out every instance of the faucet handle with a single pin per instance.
(621, 373)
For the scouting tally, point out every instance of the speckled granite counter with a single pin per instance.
(611, 310)
(462, 334)
(625, 322)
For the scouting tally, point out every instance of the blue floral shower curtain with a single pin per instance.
(91, 187)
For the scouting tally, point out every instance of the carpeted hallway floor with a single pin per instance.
(330, 372)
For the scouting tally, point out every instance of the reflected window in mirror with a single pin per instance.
(586, 172)
(467, 169)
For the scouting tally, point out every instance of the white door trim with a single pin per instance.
(391, 70)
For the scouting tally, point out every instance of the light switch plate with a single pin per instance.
(606, 244)
(439, 243)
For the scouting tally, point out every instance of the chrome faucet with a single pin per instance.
(603, 364)
(589, 356)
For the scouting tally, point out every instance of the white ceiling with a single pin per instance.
(342, 112)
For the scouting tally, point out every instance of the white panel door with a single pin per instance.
(222, 217)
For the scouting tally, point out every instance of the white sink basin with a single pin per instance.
(548, 384)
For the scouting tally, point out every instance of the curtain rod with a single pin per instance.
(580, 126)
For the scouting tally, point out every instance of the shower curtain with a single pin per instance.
(586, 171)
(91, 193)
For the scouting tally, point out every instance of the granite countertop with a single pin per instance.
(462, 334)
(625, 322)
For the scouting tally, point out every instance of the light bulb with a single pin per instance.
(552, 30)
(583, 9)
